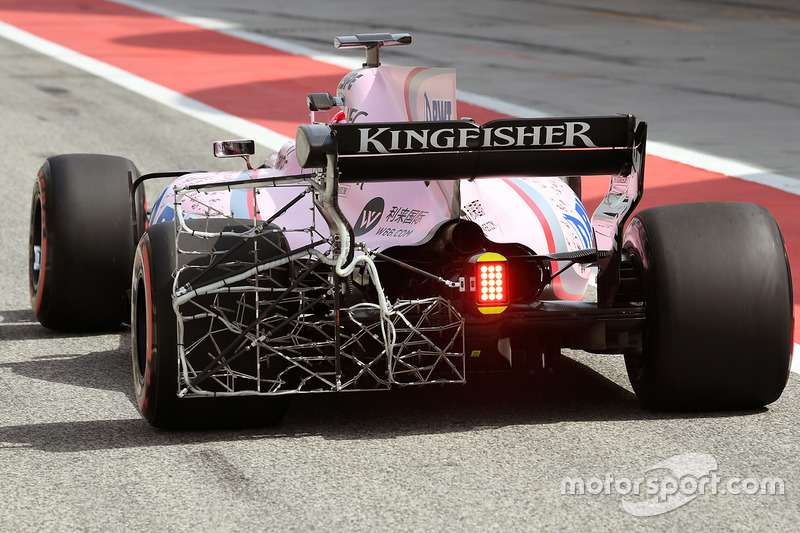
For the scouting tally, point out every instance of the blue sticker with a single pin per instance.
(581, 224)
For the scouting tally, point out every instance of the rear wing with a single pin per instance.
(453, 150)
(447, 150)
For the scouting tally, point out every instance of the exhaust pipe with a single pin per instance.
(459, 237)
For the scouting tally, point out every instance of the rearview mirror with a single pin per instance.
(237, 148)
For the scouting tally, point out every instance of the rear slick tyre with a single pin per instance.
(718, 295)
(155, 350)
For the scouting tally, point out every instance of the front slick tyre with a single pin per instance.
(155, 351)
(81, 241)
(718, 294)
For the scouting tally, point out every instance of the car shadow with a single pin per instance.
(574, 392)
(18, 324)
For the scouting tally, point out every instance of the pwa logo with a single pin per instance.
(438, 108)
(369, 217)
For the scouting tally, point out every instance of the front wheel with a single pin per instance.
(82, 241)
(718, 297)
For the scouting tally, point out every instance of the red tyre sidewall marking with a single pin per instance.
(43, 252)
(143, 258)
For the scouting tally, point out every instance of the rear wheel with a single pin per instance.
(718, 297)
(81, 241)
(155, 349)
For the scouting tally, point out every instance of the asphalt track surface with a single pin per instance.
(713, 77)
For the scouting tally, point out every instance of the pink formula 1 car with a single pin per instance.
(396, 244)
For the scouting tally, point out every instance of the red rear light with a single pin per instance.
(491, 282)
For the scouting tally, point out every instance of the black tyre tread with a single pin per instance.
(90, 242)
(718, 293)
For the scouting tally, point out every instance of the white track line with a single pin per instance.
(728, 167)
(274, 140)
(175, 100)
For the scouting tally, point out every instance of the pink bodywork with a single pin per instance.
(541, 213)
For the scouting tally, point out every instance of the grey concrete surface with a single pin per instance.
(491, 455)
